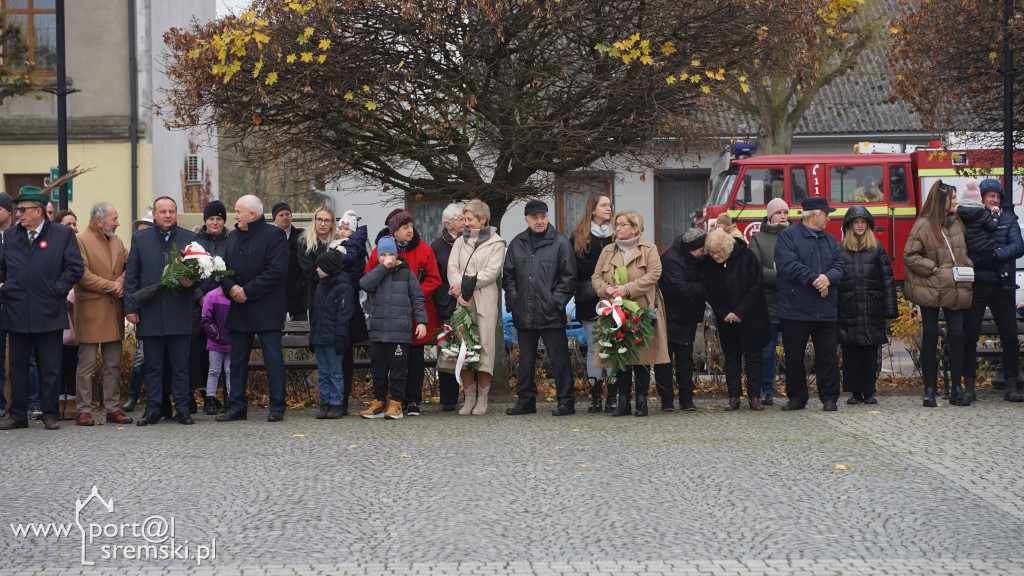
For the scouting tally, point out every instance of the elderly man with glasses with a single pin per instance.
(39, 265)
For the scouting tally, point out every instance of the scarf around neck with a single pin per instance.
(627, 246)
(478, 236)
(602, 231)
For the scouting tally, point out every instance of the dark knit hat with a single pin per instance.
(693, 239)
(330, 262)
(278, 207)
(6, 202)
(990, 185)
(535, 207)
(215, 208)
(396, 219)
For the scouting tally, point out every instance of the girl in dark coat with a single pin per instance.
(867, 296)
(734, 287)
(592, 233)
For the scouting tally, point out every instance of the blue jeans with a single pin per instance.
(273, 358)
(177, 349)
(768, 363)
(332, 376)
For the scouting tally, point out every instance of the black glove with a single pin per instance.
(987, 260)
(341, 347)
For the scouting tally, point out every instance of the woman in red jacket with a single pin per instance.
(422, 262)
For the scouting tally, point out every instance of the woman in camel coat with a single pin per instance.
(478, 253)
(643, 268)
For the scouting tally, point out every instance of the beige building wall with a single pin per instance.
(109, 182)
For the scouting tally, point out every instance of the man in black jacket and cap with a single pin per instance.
(39, 265)
(539, 278)
(258, 259)
(295, 291)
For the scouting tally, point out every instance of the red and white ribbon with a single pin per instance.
(190, 253)
(444, 334)
(612, 308)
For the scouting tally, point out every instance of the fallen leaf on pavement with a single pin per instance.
(298, 435)
(840, 467)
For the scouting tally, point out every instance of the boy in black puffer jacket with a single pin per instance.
(397, 305)
(332, 308)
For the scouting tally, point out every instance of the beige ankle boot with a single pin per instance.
(467, 409)
(481, 401)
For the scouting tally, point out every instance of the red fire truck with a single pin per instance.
(891, 186)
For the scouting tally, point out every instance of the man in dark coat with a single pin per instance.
(994, 288)
(258, 259)
(296, 293)
(539, 278)
(163, 323)
(681, 285)
(40, 263)
(810, 266)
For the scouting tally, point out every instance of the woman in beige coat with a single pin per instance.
(643, 268)
(936, 245)
(474, 267)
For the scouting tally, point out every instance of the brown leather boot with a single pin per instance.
(755, 403)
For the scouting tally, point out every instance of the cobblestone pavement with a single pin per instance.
(928, 491)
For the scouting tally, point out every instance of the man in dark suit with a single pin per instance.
(258, 258)
(295, 292)
(163, 323)
(40, 263)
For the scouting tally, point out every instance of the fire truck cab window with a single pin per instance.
(761, 185)
(898, 185)
(856, 184)
(797, 185)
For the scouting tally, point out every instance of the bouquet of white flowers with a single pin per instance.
(460, 341)
(193, 262)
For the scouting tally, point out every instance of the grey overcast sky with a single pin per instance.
(226, 6)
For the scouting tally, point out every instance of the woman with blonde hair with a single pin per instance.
(592, 233)
(867, 296)
(934, 248)
(474, 267)
(642, 261)
(314, 242)
(734, 287)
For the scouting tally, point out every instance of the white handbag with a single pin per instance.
(960, 273)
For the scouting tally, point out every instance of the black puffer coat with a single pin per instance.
(538, 282)
(683, 290)
(867, 296)
(737, 286)
(586, 296)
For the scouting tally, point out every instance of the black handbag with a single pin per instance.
(444, 304)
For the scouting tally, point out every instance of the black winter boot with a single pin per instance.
(211, 405)
(1010, 394)
(334, 412)
(622, 408)
(609, 402)
(929, 398)
(595, 396)
(321, 414)
(957, 397)
(686, 401)
(641, 406)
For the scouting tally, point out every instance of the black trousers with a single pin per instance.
(557, 345)
(930, 341)
(69, 370)
(826, 364)
(414, 374)
(449, 388)
(624, 380)
(682, 354)
(389, 365)
(736, 353)
(1004, 314)
(47, 347)
(859, 364)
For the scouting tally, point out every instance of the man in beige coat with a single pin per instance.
(99, 313)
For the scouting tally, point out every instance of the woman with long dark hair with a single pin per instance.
(592, 233)
(934, 248)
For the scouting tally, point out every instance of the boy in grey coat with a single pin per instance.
(397, 303)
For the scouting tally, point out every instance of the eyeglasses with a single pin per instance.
(23, 209)
(716, 253)
(323, 220)
(623, 224)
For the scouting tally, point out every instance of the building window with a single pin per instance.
(38, 20)
(426, 215)
(572, 192)
(677, 195)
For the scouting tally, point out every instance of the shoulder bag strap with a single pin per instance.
(950, 248)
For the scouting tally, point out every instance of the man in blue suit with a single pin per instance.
(164, 322)
(40, 264)
(258, 259)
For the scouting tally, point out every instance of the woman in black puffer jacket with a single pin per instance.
(867, 296)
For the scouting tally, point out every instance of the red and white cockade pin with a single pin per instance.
(43, 244)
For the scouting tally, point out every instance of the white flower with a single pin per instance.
(605, 344)
(622, 350)
(477, 347)
(603, 354)
(218, 263)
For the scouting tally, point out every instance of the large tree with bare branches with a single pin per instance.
(446, 99)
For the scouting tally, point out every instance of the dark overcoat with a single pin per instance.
(36, 278)
(166, 314)
(258, 260)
